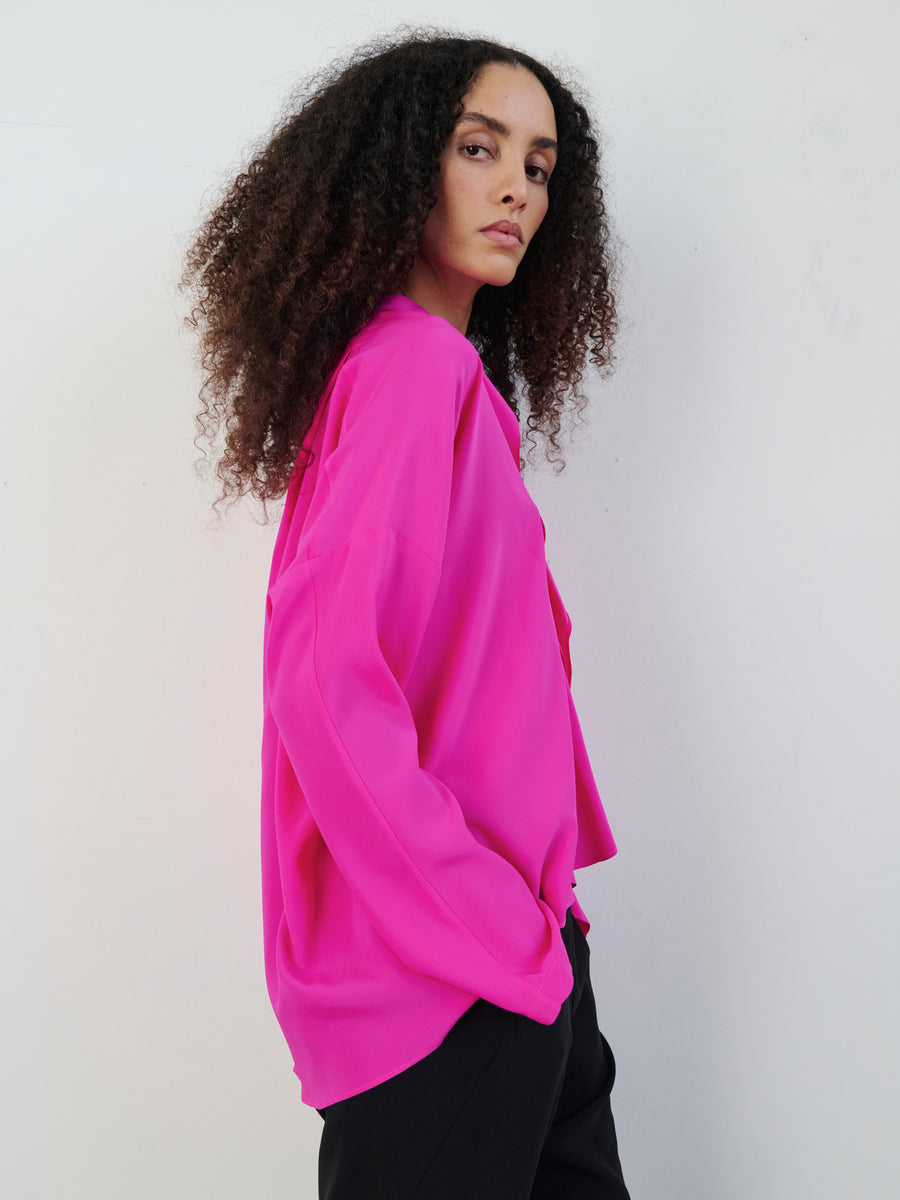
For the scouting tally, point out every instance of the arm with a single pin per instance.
(347, 619)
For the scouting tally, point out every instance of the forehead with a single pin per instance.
(511, 94)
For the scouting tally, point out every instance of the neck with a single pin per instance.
(439, 299)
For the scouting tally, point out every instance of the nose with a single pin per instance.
(513, 187)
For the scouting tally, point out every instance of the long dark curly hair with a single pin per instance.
(325, 221)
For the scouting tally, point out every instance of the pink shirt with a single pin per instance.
(426, 789)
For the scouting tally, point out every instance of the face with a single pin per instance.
(491, 192)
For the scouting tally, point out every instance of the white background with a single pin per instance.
(725, 538)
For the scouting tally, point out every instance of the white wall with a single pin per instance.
(725, 539)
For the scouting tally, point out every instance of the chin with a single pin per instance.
(501, 276)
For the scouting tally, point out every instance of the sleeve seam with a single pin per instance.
(366, 537)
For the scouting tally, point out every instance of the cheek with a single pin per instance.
(437, 240)
(460, 193)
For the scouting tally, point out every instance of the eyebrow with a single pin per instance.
(495, 126)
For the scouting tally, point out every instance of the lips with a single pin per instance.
(504, 233)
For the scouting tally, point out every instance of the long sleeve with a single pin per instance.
(425, 787)
(346, 622)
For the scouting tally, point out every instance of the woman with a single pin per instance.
(421, 241)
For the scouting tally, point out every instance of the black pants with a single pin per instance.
(504, 1109)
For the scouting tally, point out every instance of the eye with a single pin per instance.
(536, 172)
(474, 150)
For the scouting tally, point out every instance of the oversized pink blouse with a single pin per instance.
(426, 792)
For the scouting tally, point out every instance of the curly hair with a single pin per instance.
(325, 221)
